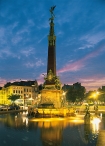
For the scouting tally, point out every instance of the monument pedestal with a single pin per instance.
(51, 96)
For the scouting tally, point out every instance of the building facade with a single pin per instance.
(26, 90)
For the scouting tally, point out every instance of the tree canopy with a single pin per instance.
(13, 97)
(75, 94)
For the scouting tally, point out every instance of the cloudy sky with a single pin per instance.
(80, 43)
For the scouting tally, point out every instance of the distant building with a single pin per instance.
(26, 90)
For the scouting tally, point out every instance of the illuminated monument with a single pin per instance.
(51, 94)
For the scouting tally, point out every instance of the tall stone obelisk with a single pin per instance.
(51, 93)
(51, 61)
(51, 64)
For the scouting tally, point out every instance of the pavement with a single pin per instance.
(101, 138)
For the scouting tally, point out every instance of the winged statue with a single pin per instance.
(51, 11)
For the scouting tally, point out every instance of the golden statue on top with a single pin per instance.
(52, 14)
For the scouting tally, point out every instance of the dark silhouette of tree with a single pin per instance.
(70, 95)
(40, 87)
(13, 97)
(76, 93)
(101, 95)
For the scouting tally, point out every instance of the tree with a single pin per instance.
(13, 97)
(70, 95)
(76, 93)
(40, 87)
(101, 95)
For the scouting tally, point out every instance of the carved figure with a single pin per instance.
(52, 14)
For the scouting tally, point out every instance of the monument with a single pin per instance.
(51, 95)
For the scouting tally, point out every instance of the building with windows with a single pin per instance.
(26, 89)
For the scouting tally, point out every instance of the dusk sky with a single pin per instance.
(80, 41)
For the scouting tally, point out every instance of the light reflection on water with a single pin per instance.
(19, 130)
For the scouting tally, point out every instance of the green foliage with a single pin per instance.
(13, 97)
(75, 94)
(101, 95)
(70, 95)
(89, 95)
(92, 95)
(40, 87)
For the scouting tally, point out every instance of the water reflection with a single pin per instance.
(87, 132)
(48, 131)
(95, 124)
(12, 120)
(51, 133)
